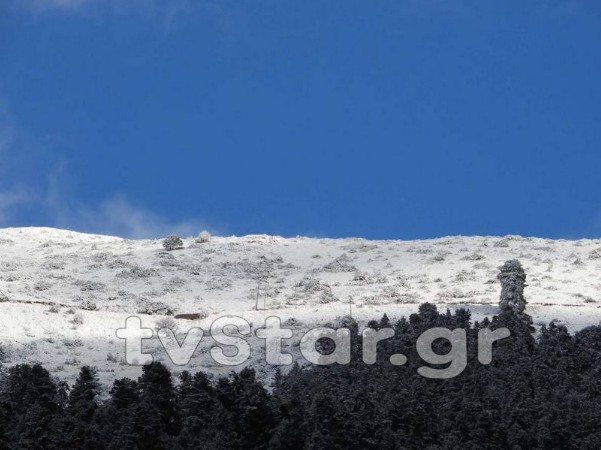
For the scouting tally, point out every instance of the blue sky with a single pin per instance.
(388, 119)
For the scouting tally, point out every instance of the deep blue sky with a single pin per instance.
(379, 119)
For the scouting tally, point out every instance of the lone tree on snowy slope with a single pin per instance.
(172, 243)
(513, 282)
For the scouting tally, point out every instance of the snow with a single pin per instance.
(63, 294)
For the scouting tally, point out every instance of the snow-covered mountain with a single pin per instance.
(63, 294)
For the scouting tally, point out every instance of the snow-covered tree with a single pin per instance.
(513, 282)
(203, 236)
(172, 242)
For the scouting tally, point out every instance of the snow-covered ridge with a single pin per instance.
(48, 277)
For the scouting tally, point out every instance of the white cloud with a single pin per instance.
(45, 5)
(114, 216)
(52, 200)
(119, 217)
(167, 9)
(10, 196)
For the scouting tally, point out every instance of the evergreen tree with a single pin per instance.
(80, 408)
(513, 281)
(82, 398)
(29, 404)
(156, 389)
(542, 393)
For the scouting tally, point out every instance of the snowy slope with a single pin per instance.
(63, 294)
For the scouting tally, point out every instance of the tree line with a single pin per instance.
(542, 390)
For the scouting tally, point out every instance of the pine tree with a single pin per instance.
(82, 398)
(156, 387)
(124, 393)
(513, 281)
(29, 404)
(81, 407)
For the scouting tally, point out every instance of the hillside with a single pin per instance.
(63, 294)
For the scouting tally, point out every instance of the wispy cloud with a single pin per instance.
(8, 200)
(42, 193)
(119, 217)
(165, 9)
(115, 216)
(46, 5)
(10, 196)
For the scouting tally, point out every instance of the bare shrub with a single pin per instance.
(72, 342)
(42, 285)
(149, 307)
(166, 322)
(464, 275)
(203, 237)
(340, 264)
(135, 271)
(473, 257)
(366, 278)
(501, 243)
(88, 305)
(595, 254)
(450, 294)
(88, 285)
(439, 257)
(77, 319)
